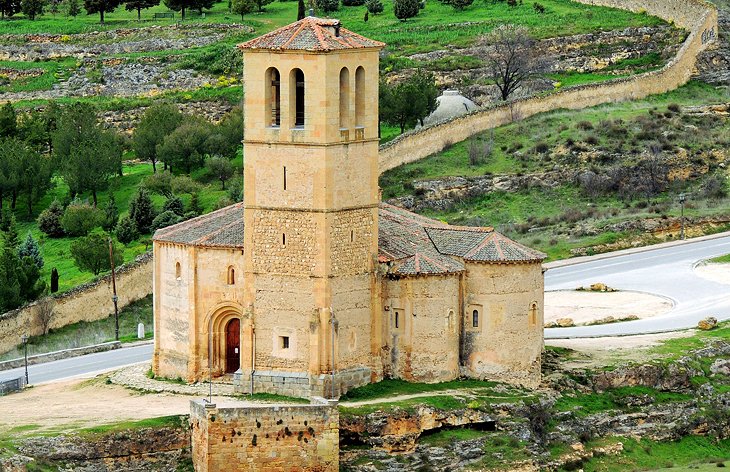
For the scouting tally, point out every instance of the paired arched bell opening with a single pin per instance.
(224, 340)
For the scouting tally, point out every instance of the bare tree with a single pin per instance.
(44, 312)
(511, 57)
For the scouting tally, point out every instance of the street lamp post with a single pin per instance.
(24, 340)
(682, 199)
(115, 299)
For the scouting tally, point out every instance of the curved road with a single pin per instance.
(663, 270)
(666, 270)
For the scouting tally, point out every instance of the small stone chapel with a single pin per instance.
(313, 286)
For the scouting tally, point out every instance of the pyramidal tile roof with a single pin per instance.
(410, 244)
(311, 34)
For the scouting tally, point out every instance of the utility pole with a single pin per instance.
(115, 299)
(682, 199)
(24, 339)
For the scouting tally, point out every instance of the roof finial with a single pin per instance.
(311, 12)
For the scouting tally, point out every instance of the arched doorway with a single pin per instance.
(233, 345)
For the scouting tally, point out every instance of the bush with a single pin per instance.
(584, 125)
(538, 7)
(194, 208)
(328, 6)
(404, 9)
(353, 3)
(235, 190)
(80, 218)
(674, 108)
(714, 187)
(49, 221)
(142, 211)
(542, 147)
(165, 219)
(374, 6)
(126, 230)
(30, 248)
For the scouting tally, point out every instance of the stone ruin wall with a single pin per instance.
(88, 302)
(272, 438)
(698, 16)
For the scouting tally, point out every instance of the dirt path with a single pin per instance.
(585, 307)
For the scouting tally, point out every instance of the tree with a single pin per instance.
(261, 3)
(410, 101)
(73, 8)
(29, 248)
(101, 7)
(32, 8)
(404, 9)
(9, 284)
(49, 221)
(44, 313)
(221, 168)
(159, 183)
(301, 10)
(165, 219)
(243, 7)
(182, 5)
(175, 205)
(141, 210)
(186, 147)
(184, 184)
(8, 121)
(511, 59)
(35, 173)
(230, 130)
(157, 122)
(80, 218)
(91, 253)
(328, 6)
(111, 214)
(140, 5)
(374, 6)
(127, 230)
(10, 170)
(9, 8)
(195, 208)
(86, 155)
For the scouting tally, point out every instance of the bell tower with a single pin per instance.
(310, 207)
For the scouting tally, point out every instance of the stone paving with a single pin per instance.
(135, 377)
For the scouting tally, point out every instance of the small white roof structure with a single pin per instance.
(450, 104)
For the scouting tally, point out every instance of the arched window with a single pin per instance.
(231, 276)
(273, 97)
(344, 98)
(360, 97)
(450, 321)
(475, 319)
(533, 314)
(296, 97)
(178, 271)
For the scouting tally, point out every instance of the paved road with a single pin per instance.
(82, 365)
(667, 271)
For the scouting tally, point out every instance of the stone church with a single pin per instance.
(312, 285)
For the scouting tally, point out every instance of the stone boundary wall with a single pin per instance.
(59, 355)
(88, 302)
(697, 16)
(274, 438)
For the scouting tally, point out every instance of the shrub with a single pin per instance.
(353, 3)
(49, 221)
(714, 187)
(195, 209)
(542, 147)
(538, 7)
(235, 190)
(584, 125)
(591, 139)
(165, 219)
(328, 6)
(674, 108)
(111, 214)
(142, 211)
(30, 248)
(374, 6)
(80, 218)
(126, 230)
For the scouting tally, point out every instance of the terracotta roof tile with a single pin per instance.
(222, 228)
(311, 34)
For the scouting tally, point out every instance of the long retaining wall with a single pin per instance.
(88, 302)
(697, 16)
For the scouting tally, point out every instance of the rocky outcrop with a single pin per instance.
(398, 430)
(713, 65)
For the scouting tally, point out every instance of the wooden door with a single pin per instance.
(233, 345)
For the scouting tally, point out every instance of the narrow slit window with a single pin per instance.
(284, 342)
(475, 319)
(397, 320)
(283, 239)
(231, 276)
(284, 177)
(352, 235)
(178, 271)
(533, 314)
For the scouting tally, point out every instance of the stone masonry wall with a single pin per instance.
(273, 254)
(698, 16)
(351, 235)
(88, 302)
(274, 438)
